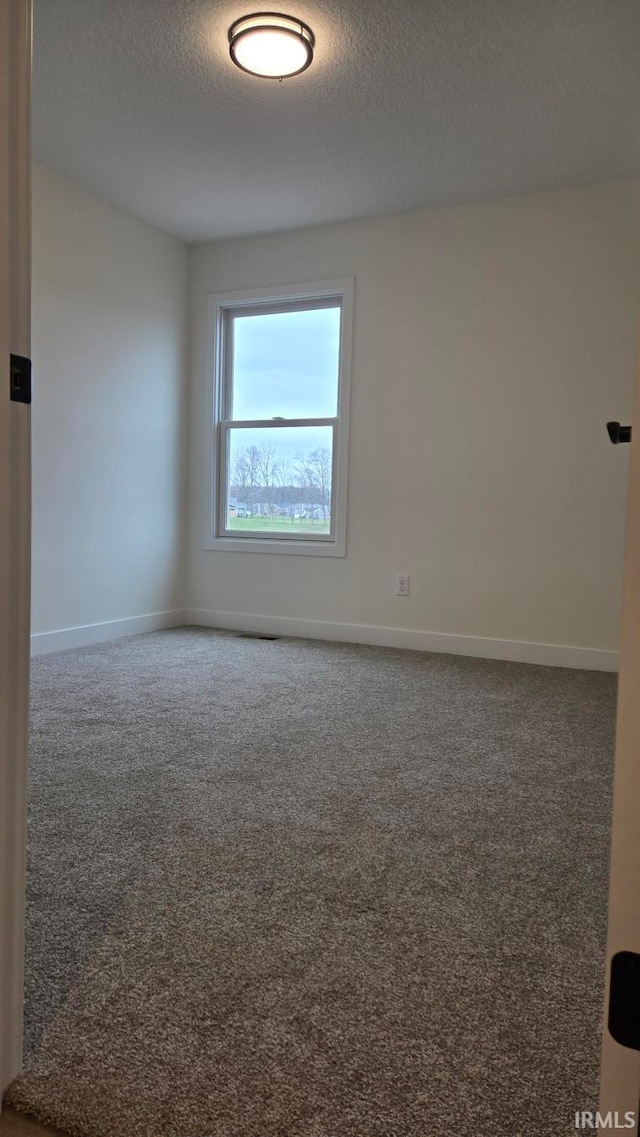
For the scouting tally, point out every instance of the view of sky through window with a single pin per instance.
(285, 365)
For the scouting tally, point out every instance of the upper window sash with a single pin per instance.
(232, 313)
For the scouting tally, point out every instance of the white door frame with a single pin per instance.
(15, 514)
(620, 1072)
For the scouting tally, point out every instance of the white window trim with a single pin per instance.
(219, 303)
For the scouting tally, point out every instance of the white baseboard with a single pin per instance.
(482, 647)
(44, 642)
(551, 655)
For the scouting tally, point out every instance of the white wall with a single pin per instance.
(109, 414)
(491, 344)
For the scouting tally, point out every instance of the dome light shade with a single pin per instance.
(271, 45)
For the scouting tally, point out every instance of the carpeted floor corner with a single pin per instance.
(297, 889)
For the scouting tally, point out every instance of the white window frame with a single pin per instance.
(271, 299)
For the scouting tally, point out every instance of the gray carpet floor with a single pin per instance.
(301, 889)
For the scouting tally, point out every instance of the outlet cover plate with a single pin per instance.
(402, 584)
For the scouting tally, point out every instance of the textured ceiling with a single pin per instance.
(408, 103)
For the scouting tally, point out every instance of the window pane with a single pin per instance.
(279, 480)
(286, 364)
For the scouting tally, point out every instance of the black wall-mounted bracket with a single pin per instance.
(618, 433)
(20, 379)
(624, 999)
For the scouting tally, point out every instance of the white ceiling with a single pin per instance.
(408, 103)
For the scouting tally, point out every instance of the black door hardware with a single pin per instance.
(624, 999)
(618, 433)
(20, 379)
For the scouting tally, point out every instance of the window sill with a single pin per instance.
(266, 545)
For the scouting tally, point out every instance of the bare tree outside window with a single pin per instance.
(314, 472)
(268, 490)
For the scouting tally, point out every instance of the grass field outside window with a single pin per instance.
(278, 525)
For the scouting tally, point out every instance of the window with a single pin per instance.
(281, 363)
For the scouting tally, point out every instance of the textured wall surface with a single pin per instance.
(491, 344)
(407, 104)
(109, 317)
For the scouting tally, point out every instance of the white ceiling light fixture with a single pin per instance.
(271, 45)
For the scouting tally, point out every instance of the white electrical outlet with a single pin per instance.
(402, 584)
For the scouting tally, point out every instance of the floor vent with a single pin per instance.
(256, 636)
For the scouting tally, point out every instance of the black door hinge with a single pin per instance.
(20, 379)
(618, 433)
(624, 999)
